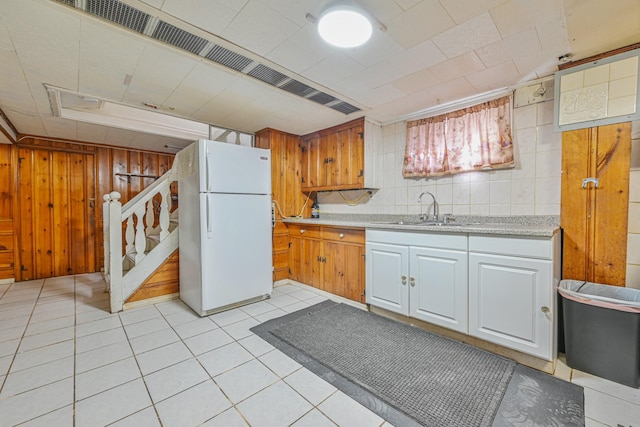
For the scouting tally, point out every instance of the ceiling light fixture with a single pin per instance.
(344, 26)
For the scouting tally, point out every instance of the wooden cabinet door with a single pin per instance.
(388, 277)
(511, 302)
(438, 287)
(56, 198)
(344, 273)
(312, 165)
(595, 219)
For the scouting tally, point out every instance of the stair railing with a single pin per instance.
(138, 219)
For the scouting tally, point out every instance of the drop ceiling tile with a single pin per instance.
(471, 35)
(150, 85)
(383, 10)
(210, 15)
(417, 81)
(332, 69)
(104, 66)
(57, 127)
(386, 93)
(14, 96)
(462, 11)
(496, 77)
(295, 57)
(377, 49)
(458, 67)
(157, 142)
(268, 28)
(419, 23)
(407, 4)
(516, 16)
(5, 38)
(521, 44)
(222, 105)
(296, 10)
(91, 133)
(29, 124)
(539, 64)
(200, 86)
(554, 37)
(418, 57)
(451, 91)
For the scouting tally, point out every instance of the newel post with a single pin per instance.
(113, 218)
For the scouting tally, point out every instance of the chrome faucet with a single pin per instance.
(435, 206)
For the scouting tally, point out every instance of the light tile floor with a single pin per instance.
(66, 361)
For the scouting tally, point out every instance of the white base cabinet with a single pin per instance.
(501, 289)
(419, 275)
(512, 292)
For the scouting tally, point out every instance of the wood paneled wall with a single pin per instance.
(7, 235)
(82, 172)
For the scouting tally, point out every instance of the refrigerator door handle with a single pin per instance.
(209, 217)
(207, 165)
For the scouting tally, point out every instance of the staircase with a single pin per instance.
(150, 233)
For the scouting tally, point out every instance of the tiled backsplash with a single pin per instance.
(531, 188)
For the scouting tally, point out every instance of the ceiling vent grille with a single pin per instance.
(344, 107)
(268, 75)
(179, 38)
(122, 14)
(227, 58)
(297, 88)
(322, 98)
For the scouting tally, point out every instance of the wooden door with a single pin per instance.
(595, 219)
(344, 273)
(56, 198)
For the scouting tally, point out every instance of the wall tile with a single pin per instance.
(525, 140)
(633, 254)
(461, 193)
(525, 166)
(525, 117)
(621, 106)
(480, 193)
(522, 209)
(548, 164)
(634, 186)
(634, 218)
(547, 191)
(547, 139)
(545, 113)
(523, 191)
(500, 193)
(633, 276)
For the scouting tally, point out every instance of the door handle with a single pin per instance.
(413, 281)
(404, 280)
(595, 181)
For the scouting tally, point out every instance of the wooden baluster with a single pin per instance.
(141, 238)
(105, 233)
(164, 213)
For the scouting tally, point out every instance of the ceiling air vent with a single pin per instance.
(344, 107)
(268, 75)
(179, 38)
(120, 13)
(227, 58)
(322, 98)
(297, 88)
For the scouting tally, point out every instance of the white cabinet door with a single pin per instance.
(387, 277)
(512, 302)
(438, 287)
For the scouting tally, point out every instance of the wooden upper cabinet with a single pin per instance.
(333, 159)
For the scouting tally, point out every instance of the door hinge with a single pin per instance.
(20, 159)
(23, 268)
(289, 244)
(364, 257)
(302, 179)
(50, 205)
(361, 173)
(290, 271)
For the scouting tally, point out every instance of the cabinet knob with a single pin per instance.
(404, 280)
(302, 230)
(413, 281)
(341, 235)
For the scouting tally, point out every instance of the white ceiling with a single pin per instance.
(434, 51)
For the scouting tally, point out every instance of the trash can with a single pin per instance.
(602, 330)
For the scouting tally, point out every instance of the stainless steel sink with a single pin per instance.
(442, 224)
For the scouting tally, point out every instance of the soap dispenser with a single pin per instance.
(315, 210)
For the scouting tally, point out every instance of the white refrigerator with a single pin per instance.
(225, 228)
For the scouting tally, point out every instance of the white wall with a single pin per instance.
(531, 188)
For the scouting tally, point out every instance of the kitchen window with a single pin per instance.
(474, 138)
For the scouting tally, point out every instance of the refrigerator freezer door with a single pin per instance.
(230, 168)
(236, 254)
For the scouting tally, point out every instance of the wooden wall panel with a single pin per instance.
(7, 235)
